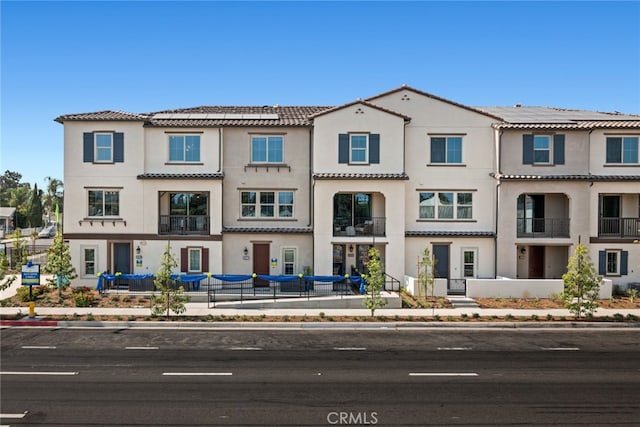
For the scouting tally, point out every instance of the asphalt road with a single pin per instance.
(101, 377)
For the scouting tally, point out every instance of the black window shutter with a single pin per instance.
(205, 259)
(118, 147)
(614, 150)
(87, 147)
(624, 261)
(602, 263)
(374, 148)
(527, 149)
(343, 148)
(558, 149)
(438, 148)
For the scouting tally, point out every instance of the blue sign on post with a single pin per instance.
(30, 274)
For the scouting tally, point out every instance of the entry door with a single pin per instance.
(441, 256)
(261, 262)
(122, 258)
(536, 262)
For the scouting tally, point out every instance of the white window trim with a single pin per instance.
(295, 259)
(455, 205)
(475, 262)
(267, 161)
(95, 147)
(550, 149)
(276, 205)
(83, 261)
(189, 268)
(618, 253)
(366, 149)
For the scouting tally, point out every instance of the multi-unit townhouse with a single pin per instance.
(286, 190)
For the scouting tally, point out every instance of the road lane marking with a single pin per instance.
(141, 348)
(13, 416)
(560, 348)
(454, 348)
(245, 348)
(443, 374)
(36, 373)
(349, 348)
(196, 374)
(38, 347)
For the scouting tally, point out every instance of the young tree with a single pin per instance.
(375, 282)
(34, 208)
(426, 273)
(5, 281)
(581, 283)
(170, 298)
(59, 263)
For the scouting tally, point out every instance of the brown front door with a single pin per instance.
(261, 262)
(536, 262)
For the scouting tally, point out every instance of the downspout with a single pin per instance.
(497, 176)
(220, 151)
(312, 186)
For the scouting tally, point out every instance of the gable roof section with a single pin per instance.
(361, 102)
(437, 98)
(106, 115)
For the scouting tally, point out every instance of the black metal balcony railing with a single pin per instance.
(543, 227)
(184, 224)
(369, 226)
(619, 227)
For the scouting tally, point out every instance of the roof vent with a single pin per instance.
(517, 106)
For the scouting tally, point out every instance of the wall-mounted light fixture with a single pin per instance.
(523, 250)
(350, 248)
(138, 250)
(245, 251)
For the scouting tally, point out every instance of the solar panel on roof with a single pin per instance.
(215, 116)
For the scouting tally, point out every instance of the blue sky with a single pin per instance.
(139, 56)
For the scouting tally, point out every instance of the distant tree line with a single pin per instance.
(32, 204)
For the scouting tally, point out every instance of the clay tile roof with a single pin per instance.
(269, 230)
(586, 177)
(107, 115)
(435, 233)
(181, 176)
(214, 116)
(345, 176)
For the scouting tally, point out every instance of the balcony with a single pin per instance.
(619, 227)
(543, 227)
(360, 226)
(184, 224)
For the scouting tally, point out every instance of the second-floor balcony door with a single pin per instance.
(610, 214)
(188, 214)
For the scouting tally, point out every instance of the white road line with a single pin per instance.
(560, 348)
(350, 348)
(39, 347)
(13, 416)
(196, 374)
(141, 348)
(443, 374)
(36, 373)
(245, 348)
(454, 348)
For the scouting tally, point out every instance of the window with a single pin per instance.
(89, 261)
(289, 261)
(445, 205)
(103, 203)
(103, 147)
(195, 260)
(267, 149)
(184, 148)
(446, 149)
(266, 204)
(541, 148)
(358, 144)
(351, 209)
(613, 262)
(469, 258)
(622, 149)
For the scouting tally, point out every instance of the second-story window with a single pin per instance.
(266, 204)
(445, 205)
(103, 147)
(446, 149)
(358, 148)
(184, 148)
(103, 203)
(267, 149)
(622, 149)
(543, 150)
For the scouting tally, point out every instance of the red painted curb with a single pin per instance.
(28, 323)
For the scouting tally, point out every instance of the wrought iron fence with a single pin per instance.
(16, 257)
